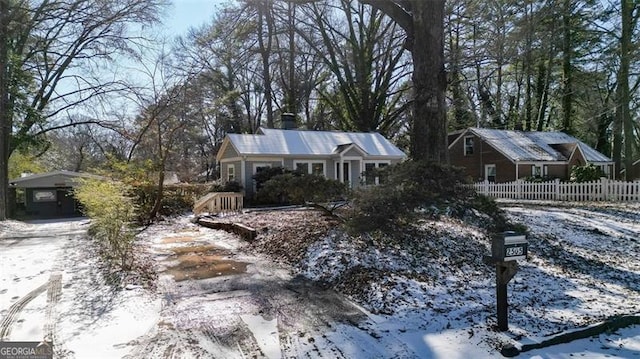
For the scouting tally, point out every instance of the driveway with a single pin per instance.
(219, 302)
(52, 288)
(213, 300)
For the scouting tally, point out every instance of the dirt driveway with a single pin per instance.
(218, 302)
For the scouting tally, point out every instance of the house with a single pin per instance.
(343, 156)
(48, 194)
(504, 156)
(634, 173)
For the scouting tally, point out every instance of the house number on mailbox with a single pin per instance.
(506, 249)
(515, 251)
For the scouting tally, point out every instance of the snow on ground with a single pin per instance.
(429, 296)
(51, 288)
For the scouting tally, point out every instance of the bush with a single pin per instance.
(586, 173)
(268, 173)
(300, 188)
(230, 186)
(111, 212)
(412, 190)
(409, 189)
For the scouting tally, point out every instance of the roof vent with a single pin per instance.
(288, 121)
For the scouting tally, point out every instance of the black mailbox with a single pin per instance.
(509, 246)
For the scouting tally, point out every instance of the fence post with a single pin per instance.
(557, 189)
(604, 188)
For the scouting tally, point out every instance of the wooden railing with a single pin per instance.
(601, 190)
(219, 202)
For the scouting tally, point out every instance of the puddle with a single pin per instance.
(181, 239)
(201, 262)
(208, 249)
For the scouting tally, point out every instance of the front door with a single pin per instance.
(490, 173)
(342, 174)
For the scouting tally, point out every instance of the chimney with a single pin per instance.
(288, 121)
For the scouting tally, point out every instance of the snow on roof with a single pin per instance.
(62, 173)
(310, 143)
(553, 138)
(535, 146)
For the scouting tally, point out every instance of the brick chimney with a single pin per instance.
(288, 121)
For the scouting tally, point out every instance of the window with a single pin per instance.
(302, 167)
(490, 173)
(44, 195)
(536, 171)
(317, 168)
(370, 169)
(231, 173)
(468, 145)
(310, 167)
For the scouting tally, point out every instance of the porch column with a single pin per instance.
(341, 171)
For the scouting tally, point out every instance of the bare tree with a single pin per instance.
(57, 50)
(423, 23)
(363, 50)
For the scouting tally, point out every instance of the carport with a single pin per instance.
(46, 195)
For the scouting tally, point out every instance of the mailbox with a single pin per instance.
(509, 246)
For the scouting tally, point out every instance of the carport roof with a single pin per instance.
(51, 179)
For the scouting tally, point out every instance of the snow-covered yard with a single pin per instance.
(426, 297)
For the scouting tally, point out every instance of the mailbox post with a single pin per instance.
(506, 249)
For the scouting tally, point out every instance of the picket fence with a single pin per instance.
(600, 190)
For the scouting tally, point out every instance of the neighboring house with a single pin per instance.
(343, 156)
(504, 156)
(634, 174)
(48, 194)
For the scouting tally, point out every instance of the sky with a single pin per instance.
(184, 14)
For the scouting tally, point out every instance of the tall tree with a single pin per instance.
(362, 49)
(423, 23)
(5, 113)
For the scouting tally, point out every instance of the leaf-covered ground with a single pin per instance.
(583, 267)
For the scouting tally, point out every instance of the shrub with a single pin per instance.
(409, 189)
(268, 173)
(230, 186)
(111, 212)
(300, 188)
(586, 173)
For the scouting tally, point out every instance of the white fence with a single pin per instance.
(601, 190)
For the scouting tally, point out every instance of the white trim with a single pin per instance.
(263, 159)
(231, 159)
(376, 180)
(464, 145)
(310, 163)
(231, 167)
(486, 172)
(243, 173)
(340, 173)
(352, 146)
(460, 135)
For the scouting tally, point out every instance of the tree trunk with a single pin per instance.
(265, 18)
(623, 85)
(429, 130)
(567, 91)
(5, 113)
